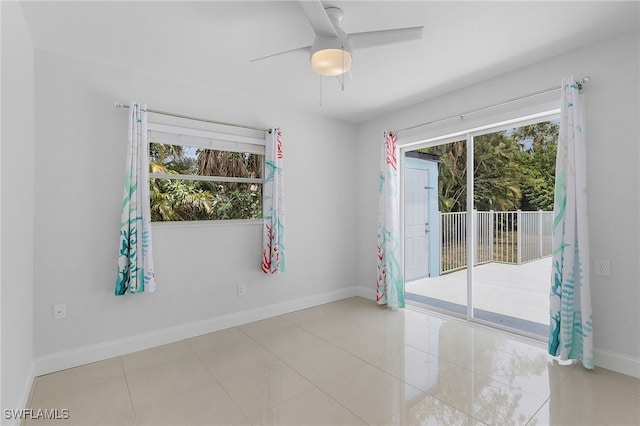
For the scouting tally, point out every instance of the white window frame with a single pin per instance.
(206, 139)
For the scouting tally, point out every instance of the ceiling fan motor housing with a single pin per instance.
(332, 55)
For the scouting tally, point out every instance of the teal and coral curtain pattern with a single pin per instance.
(389, 283)
(135, 260)
(571, 329)
(273, 242)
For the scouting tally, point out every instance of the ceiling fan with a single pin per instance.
(331, 52)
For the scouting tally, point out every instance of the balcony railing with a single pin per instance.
(508, 237)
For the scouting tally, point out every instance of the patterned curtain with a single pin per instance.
(571, 333)
(389, 284)
(273, 243)
(135, 261)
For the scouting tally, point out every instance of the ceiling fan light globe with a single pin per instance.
(331, 62)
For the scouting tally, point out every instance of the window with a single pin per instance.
(203, 175)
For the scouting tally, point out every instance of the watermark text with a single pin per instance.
(36, 413)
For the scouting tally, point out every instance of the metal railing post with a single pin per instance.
(440, 219)
(519, 234)
(540, 232)
(474, 218)
(462, 238)
(491, 232)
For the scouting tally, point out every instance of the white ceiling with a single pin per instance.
(211, 43)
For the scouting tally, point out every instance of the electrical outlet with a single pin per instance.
(602, 267)
(242, 289)
(59, 311)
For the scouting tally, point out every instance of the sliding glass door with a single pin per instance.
(513, 183)
(477, 224)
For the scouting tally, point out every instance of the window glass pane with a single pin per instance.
(185, 200)
(514, 179)
(189, 160)
(173, 159)
(211, 162)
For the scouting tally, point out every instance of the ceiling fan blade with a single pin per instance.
(318, 18)
(382, 37)
(299, 49)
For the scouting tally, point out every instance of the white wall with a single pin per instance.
(613, 136)
(80, 144)
(17, 208)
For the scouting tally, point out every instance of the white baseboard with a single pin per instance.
(617, 362)
(87, 354)
(23, 398)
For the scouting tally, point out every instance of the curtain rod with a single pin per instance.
(580, 83)
(189, 117)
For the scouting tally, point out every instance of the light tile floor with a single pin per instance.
(349, 362)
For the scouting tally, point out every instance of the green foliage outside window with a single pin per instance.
(513, 169)
(183, 199)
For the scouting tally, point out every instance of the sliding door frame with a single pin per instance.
(469, 135)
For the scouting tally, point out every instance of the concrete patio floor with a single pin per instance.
(519, 291)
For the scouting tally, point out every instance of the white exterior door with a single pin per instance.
(416, 211)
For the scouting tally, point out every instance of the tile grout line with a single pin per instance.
(397, 378)
(300, 373)
(157, 365)
(77, 388)
(126, 381)
(244, 416)
(373, 366)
